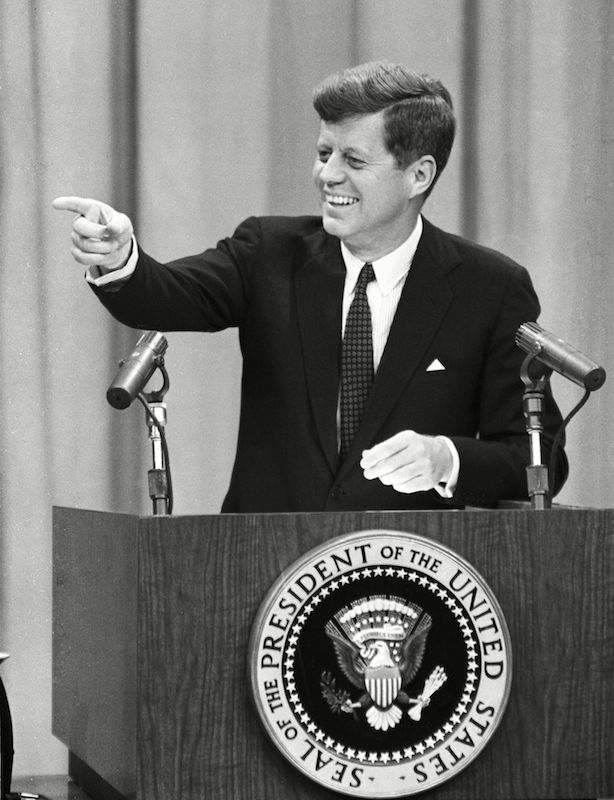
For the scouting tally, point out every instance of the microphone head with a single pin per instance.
(135, 371)
(560, 356)
(594, 379)
(119, 397)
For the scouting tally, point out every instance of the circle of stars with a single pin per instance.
(384, 757)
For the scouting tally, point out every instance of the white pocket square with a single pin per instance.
(435, 366)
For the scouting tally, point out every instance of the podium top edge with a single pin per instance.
(504, 508)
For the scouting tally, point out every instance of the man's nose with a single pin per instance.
(332, 171)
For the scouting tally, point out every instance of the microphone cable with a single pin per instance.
(559, 435)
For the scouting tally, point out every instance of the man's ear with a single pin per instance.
(421, 174)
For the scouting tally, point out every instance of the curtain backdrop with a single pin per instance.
(189, 117)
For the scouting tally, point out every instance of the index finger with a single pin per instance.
(78, 205)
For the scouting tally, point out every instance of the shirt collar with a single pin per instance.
(390, 269)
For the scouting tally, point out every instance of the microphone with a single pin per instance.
(137, 369)
(560, 356)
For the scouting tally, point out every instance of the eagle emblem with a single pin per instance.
(379, 644)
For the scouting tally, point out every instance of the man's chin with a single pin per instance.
(333, 226)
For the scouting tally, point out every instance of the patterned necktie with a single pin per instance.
(356, 361)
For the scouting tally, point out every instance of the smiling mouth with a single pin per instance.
(340, 199)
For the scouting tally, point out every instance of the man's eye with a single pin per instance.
(355, 162)
(323, 155)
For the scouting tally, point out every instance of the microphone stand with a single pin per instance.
(535, 381)
(156, 421)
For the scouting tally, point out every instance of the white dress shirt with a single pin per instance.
(384, 293)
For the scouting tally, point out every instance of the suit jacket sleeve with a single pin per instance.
(205, 292)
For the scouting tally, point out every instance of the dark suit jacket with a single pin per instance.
(280, 280)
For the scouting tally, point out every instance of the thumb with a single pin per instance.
(117, 226)
(96, 213)
(117, 232)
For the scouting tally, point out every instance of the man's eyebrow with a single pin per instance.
(350, 150)
(353, 150)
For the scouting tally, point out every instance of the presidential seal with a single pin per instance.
(380, 664)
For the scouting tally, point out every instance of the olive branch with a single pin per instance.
(337, 699)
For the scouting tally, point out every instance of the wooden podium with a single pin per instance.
(152, 617)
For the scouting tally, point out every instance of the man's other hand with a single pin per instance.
(409, 462)
(101, 237)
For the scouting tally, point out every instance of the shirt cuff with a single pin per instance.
(96, 277)
(447, 489)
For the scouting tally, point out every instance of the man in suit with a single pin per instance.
(442, 421)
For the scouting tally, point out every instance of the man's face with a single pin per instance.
(365, 197)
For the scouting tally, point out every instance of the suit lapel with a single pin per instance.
(422, 306)
(319, 292)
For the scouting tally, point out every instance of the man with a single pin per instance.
(440, 422)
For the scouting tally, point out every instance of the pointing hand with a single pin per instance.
(100, 235)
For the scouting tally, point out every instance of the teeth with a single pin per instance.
(340, 200)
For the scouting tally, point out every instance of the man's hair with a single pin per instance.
(418, 113)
